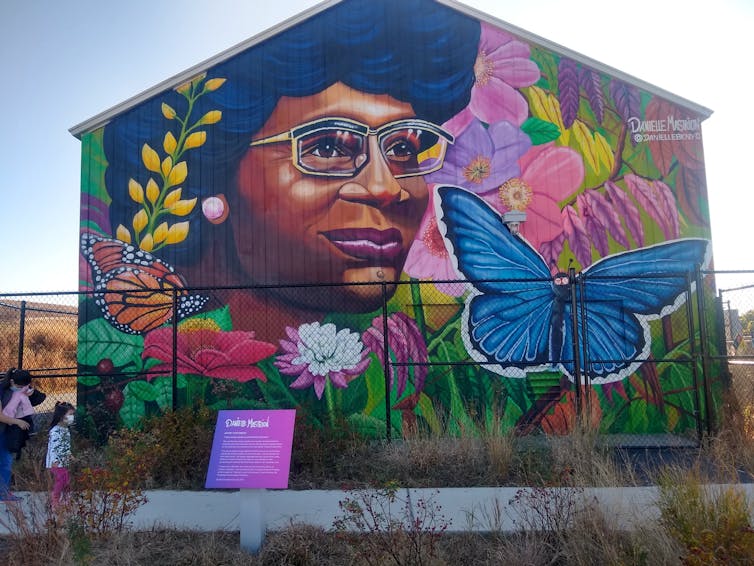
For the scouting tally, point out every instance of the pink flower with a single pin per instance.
(316, 353)
(549, 174)
(407, 345)
(428, 258)
(212, 353)
(502, 65)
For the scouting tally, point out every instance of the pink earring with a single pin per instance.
(215, 208)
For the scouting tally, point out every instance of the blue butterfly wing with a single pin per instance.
(617, 341)
(509, 321)
(623, 292)
(482, 246)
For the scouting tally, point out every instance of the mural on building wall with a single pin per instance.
(366, 155)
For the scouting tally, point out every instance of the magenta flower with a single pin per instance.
(549, 174)
(502, 65)
(482, 158)
(212, 353)
(428, 258)
(407, 345)
(316, 353)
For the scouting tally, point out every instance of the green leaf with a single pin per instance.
(221, 317)
(511, 415)
(163, 387)
(366, 425)
(142, 390)
(540, 131)
(93, 173)
(374, 377)
(132, 411)
(637, 416)
(427, 410)
(98, 340)
(89, 380)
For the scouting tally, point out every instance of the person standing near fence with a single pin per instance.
(7, 385)
(59, 450)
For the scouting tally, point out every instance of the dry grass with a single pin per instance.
(585, 537)
(49, 348)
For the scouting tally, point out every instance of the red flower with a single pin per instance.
(212, 353)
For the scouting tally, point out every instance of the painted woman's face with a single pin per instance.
(349, 220)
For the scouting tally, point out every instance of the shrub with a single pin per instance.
(183, 443)
(102, 501)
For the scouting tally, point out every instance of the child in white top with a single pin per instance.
(59, 451)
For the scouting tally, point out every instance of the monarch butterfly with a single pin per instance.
(133, 288)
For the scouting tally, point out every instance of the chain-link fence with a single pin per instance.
(38, 333)
(736, 295)
(386, 359)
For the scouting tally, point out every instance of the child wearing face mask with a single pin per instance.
(59, 451)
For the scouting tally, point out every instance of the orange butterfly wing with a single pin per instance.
(133, 288)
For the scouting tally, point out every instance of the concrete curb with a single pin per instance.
(480, 509)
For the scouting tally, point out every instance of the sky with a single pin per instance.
(65, 62)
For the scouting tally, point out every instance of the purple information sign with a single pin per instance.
(251, 449)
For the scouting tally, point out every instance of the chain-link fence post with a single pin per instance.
(704, 347)
(575, 339)
(21, 335)
(386, 364)
(695, 358)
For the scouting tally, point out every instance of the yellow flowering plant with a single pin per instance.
(161, 196)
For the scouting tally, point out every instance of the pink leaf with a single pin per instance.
(593, 226)
(666, 194)
(629, 211)
(654, 200)
(607, 216)
(575, 231)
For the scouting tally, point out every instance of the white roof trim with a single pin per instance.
(103, 118)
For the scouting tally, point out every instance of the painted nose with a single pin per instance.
(375, 184)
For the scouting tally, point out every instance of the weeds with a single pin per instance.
(712, 523)
(390, 527)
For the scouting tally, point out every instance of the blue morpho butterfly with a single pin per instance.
(521, 322)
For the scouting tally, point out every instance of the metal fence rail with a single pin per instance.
(429, 368)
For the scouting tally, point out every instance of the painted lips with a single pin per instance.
(367, 243)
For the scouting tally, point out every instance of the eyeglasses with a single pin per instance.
(338, 147)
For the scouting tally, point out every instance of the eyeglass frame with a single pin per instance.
(357, 127)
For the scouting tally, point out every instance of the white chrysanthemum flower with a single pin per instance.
(323, 349)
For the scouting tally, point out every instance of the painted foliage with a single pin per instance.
(395, 158)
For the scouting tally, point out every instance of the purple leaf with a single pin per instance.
(628, 210)
(568, 85)
(627, 101)
(590, 82)
(617, 387)
(575, 231)
(551, 250)
(593, 225)
(657, 199)
(607, 216)
(626, 97)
